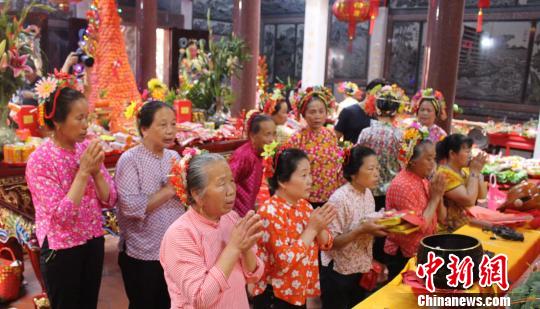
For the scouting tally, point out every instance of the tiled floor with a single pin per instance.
(112, 294)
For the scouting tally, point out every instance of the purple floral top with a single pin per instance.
(436, 133)
(49, 173)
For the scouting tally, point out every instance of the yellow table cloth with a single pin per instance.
(396, 295)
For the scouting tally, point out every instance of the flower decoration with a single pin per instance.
(45, 87)
(268, 155)
(395, 94)
(411, 137)
(370, 106)
(50, 85)
(435, 97)
(157, 89)
(345, 151)
(350, 89)
(249, 116)
(179, 171)
(305, 96)
(18, 63)
(133, 109)
(271, 101)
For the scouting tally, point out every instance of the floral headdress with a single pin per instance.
(435, 97)
(371, 97)
(250, 115)
(133, 109)
(304, 97)
(270, 155)
(393, 93)
(49, 88)
(179, 171)
(350, 89)
(411, 137)
(271, 101)
(345, 151)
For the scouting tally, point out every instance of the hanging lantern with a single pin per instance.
(355, 11)
(482, 4)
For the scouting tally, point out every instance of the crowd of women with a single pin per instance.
(214, 245)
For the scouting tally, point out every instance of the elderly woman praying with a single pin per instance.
(208, 254)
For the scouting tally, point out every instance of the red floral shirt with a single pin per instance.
(409, 192)
(291, 267)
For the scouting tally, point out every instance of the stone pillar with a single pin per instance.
(443, 43)
(247, 24)
(146, 21)
(377, 46)
(315, 37)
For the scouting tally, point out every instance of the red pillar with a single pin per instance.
(246, 24)
(443, 42)
(146, 20)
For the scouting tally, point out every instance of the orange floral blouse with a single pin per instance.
(325, 158)
(291, 267)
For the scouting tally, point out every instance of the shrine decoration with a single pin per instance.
(355, 11)
(482, 4)
(111, 78)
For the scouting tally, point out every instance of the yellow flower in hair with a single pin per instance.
(155, 84)
(131, 110)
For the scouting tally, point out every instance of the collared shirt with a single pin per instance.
(189, 252)
(139, 174)
(247, 168)
(291, 267)
(325, 160)
(409, 191)
(50, 172)
(385, 140)
(351, 208)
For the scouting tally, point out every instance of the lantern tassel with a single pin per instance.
(479, 21)
(373, 13)
(352, 33)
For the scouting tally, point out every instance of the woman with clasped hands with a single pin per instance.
(208, 254)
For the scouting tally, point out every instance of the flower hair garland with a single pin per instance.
(351, 89)
(435, 97)
(304, 97)
(370, 106)
(270, 154)
(179, 171)
(411, 137)
(250, 115)
(271, 101)
(53, 84)
(395, 94)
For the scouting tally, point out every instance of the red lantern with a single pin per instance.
(482, 4)
(355, 11)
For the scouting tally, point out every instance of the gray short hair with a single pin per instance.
(196, 177)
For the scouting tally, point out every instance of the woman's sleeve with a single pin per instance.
(47, 194)
(239, 169)
(132, 201)
(183, 262)
(113, 194)
(287, 255)
(254, 276)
